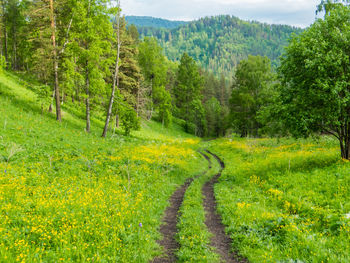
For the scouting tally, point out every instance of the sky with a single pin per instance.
(299, 13)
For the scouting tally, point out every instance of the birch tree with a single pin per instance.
(115, 81)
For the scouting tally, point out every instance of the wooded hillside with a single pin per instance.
(219, 43)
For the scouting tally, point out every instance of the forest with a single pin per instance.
(219, 43)
(148, 21)
(137, 139)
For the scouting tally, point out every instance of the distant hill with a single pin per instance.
(219, 43)
(148, 21)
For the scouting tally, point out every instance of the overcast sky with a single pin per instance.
(292, 12)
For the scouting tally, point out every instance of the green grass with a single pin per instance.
(193, 235)
(69, 196)
(285, 201)
(74, 197)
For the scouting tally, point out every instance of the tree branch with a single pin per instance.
(67, 36)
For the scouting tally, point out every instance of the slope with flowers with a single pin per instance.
(285, 201)
(69, 196)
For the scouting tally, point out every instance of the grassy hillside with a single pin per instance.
(220, 43)
(285, 201)
(148, 21)
(70, 196)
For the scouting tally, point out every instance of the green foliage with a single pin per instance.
(314, 73)
(152, 61)
(163, 101)
(219, 43)
(2, 63)
(129, 70)
(187, 95)
(214, 116)
(73, 196)
(289, 199)
(129, 119)
(44, 93)
(146, 21)
(155, 69)
(252, 89)
(193, 236)
(328, 5)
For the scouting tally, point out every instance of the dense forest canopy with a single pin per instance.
(148, 21)
(219, 43)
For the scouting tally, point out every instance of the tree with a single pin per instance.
(253, 79)
(115, 81)
(187, 94)
(153, 67)
(92, 33)
(164, 106)
(328, 5)
(129, 119)
(213, 112)
(315, 76)
(50, 23)
(13, 32)
(129, 72)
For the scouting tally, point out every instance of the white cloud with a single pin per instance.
(292, 12)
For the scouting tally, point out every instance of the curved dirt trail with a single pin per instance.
(220, 241)
(168, 228)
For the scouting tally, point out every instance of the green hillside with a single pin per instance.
(111, 152)
(69, 196)
(219, 43)
(148, 21)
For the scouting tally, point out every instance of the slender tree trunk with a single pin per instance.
(115, 76)
(87, 83)
(53, 96)
(5, 45)
(14, 47)
(1, 49)
(55, 62)
(117, 120)
(138, 102)
(4, 21)
(151, 111)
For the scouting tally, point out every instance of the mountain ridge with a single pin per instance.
(219, 43)
(150, 21)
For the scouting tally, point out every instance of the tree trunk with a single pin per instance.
(115, 77)
(87, 82)
(14, 48)
(55, 62)
(5, 32)
(138, 102)
(151, 111)
(117, 121)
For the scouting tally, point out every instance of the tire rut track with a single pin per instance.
(220, 241)
(168, 228)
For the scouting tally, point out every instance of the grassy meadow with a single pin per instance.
(73, 197)
(68, 196)
(285, 201)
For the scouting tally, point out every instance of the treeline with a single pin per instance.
(148, 21)
(219, 43)
(309, 94)
(86, 60)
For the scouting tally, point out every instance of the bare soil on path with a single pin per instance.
(168, 228)
(220, 240)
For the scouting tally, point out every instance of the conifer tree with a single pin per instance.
(92, 31)
(187, 95)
